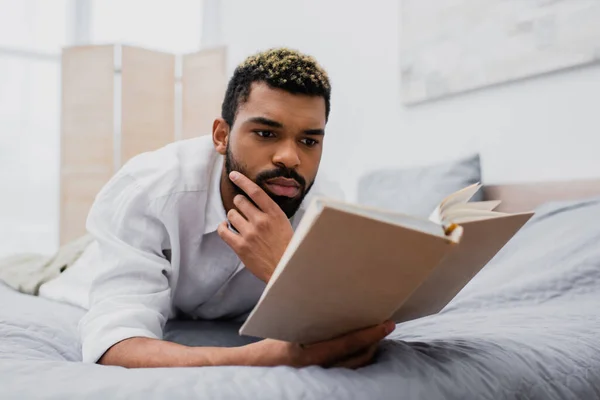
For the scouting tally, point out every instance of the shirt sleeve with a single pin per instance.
(130, 295)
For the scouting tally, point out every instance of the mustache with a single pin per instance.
(281, 173)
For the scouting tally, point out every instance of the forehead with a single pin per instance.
(282, 106)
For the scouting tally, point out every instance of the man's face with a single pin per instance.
(277, 141)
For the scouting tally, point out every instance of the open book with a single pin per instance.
(348, 267)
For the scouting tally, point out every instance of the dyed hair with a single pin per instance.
(281, 68)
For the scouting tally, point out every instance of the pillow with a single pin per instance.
(418, 190)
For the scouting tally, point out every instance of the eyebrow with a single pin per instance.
(275, 124)
(266, 121)
(315, 132)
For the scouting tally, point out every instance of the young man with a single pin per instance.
(198, 227)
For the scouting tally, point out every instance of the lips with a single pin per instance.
(283, 187)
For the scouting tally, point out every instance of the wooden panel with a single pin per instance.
(78, 192)
(148, 101)
(86, 131)
(203, 87)
(87, 106)
(527, 196)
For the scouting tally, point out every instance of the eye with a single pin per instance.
(309, 142)
(265, 134)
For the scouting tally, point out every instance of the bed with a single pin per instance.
(526, 327)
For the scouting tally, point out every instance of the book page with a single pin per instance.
(407, 221)
(461, 196)
(488, 205)
(462, 215)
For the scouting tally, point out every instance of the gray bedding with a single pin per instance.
(527, 327)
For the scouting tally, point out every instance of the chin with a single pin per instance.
(289, 205)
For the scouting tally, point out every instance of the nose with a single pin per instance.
(286, 155)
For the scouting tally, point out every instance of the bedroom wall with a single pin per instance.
(545, 128)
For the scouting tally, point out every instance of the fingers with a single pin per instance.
(232, 239)
(262, 200)
(352, 343)
(238, 221)
(358, 360)
(353, 350)
(245, 206)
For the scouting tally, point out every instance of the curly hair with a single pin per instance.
(279, 68)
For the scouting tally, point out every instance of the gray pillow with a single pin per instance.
(418, 190)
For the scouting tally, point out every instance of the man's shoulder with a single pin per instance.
(181, 166)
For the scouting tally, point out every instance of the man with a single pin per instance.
(198, 227)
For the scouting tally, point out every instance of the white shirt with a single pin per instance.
(161, 202)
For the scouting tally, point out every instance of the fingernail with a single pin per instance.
(233, 175)
(389, 327)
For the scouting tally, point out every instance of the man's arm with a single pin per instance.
(353, 350)
(141, 352)
(130, 295)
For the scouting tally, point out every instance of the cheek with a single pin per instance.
(252, 157)
(310, 164)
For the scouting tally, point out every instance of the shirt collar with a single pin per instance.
(215, 212)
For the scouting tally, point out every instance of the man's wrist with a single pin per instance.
(269, 273)
(264, 274)
(267, 277)
(222, 356)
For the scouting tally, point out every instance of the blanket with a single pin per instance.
(527, 327)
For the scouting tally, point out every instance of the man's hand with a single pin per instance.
(264, 231)
(353, 350)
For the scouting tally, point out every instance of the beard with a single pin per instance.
(289, 205)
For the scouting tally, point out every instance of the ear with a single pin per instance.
(220, 135)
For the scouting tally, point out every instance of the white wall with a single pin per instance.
(546, 128)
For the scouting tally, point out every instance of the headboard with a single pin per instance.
(527, 196)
